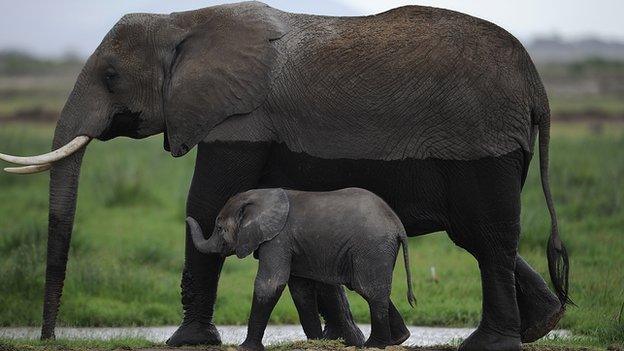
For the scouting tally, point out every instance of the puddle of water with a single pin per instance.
(421, 336)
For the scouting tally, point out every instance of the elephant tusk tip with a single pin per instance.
(28, 169)
(53, 156)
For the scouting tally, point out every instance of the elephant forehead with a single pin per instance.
(133, 35)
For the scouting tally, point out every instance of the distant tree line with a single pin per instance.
(18, 63)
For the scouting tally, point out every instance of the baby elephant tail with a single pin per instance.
(410, 293)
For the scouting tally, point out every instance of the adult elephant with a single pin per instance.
(435, 111)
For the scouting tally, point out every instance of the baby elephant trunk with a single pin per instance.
(211, 245)
(410, 293)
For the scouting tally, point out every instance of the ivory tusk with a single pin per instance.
(50, 157)
(29, 169)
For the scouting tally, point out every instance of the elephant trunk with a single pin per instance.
(64, 177)
(212, 245)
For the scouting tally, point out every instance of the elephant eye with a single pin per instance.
(109, 79)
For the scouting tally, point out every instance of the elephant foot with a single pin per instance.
(547, 320)
(375, 343)
(339, 323)
(481, 340)
(398, 339)
(195, 333)
(350, 334)
(539, 308)
(250, 346)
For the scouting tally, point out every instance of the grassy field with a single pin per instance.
(315, 345)
(127, 249)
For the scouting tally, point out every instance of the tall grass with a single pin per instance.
(127, 248)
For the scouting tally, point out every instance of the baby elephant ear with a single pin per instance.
(263, 217)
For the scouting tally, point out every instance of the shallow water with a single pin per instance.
(421, 336)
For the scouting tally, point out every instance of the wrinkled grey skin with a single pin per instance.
(348, 236)
(418, 104)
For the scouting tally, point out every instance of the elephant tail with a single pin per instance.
(558, 263)
(410, 292)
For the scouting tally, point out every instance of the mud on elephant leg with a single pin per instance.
(198, 293)
(199, 286)
(540, 309)
(339, 323)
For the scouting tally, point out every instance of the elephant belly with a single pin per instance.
(423, 193)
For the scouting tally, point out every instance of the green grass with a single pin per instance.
(28, 94)
(24, 104)
(75, 345)
(128, 245)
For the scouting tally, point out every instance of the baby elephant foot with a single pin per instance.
(350, 334)
(250, 346)
(481, 340)
(377, 343)
(399, 338)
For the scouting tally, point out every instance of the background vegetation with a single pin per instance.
(127, 249)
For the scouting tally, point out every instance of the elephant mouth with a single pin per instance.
(125, 123)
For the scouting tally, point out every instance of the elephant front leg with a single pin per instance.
(272, 277)
(221, 171)
(199, 289)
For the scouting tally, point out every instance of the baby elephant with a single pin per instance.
(348, 237)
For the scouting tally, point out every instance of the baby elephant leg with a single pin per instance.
(303, 294)
(380, 322)
(373, 281)
(334, 307)
(398, 331)
(270, 282)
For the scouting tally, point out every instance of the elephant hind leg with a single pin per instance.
(380, 335)
(303, 293)
(540, 309)
(334, 307)
(484, 218)
(398, 331)
(495, 252)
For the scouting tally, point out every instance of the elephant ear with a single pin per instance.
(221, 69)
(263, 216)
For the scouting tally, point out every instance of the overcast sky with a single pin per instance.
(53, 27)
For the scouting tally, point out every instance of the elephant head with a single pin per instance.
(181, 74)
(246, 221)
